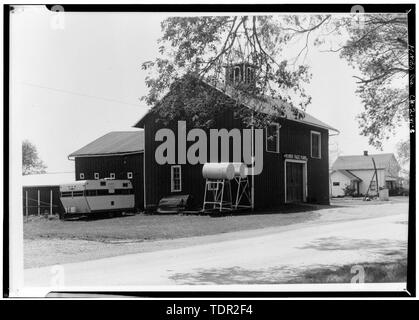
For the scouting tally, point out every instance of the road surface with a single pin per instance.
(275, 257)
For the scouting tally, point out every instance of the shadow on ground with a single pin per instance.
(373, 272)
(385, 247)
(390, 268)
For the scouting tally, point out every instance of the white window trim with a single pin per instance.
(81, 176)
(129, 175)
(96, 175)
(278, 127)
(320, 144)
(112, 176)
(172, 185)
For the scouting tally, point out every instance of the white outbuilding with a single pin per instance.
(357, 171)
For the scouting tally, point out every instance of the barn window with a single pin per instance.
(272, 138)
(336, 183)
(129, 175)
(81, 175)
(112, 176)
(236, 76)
(96, 175)
(176, 178)
(316, 144)
(250, 75)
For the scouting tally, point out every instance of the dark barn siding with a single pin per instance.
(45, 194)
(269, 185)
(294, 139)
(118, 164)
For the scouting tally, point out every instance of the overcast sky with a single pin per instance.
(75, 84)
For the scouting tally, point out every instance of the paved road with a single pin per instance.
(271, 258)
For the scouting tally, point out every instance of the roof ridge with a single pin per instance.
(113, 142)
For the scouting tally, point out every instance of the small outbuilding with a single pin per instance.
(355, 173)
(41, 192)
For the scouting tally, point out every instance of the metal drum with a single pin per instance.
(218, 170)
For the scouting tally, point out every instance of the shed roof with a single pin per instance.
(47, 179)
(113, 143)
(362, 162)
(267, 105)
(350, 175)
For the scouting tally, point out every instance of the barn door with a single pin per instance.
(294, 178)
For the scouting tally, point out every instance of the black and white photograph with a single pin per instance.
(210, 148)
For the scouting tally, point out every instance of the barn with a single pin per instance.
(116, 155)
(41, 192)
(294, 148)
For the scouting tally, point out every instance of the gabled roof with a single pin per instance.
(113, 143)
(362, 162)
(47, 179)
(267, 105)
(350, 175)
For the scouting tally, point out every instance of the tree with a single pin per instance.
(403, 152)
(202, 47)
(379, 50)
(199, 48)
(30, 160)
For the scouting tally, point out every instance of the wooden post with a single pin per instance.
(26, 201)
(50, 202)
(39, 202)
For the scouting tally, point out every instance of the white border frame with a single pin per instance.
(311, 144)
(96, 176)
(112, 176)
(305, 190)
(172, 189)
(278, 130)
(81, 176)
(130, 175)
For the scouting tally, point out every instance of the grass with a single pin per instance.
(375, 272)
(379, 272)
(157, 227)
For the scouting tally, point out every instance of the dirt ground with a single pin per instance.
(49, 242)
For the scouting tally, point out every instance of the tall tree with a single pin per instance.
(201, 48)
(378, 48)
(403, 152)
(31, 163)
(375, 44)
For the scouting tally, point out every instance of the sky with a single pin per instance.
(76, 79)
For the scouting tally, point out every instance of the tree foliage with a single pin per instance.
(201, 47)
(403, 152)
(378, 48)
(31, 163)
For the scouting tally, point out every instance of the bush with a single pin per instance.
(349, 191)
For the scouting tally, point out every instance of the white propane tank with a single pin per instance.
(218, 170)
(240, 169)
